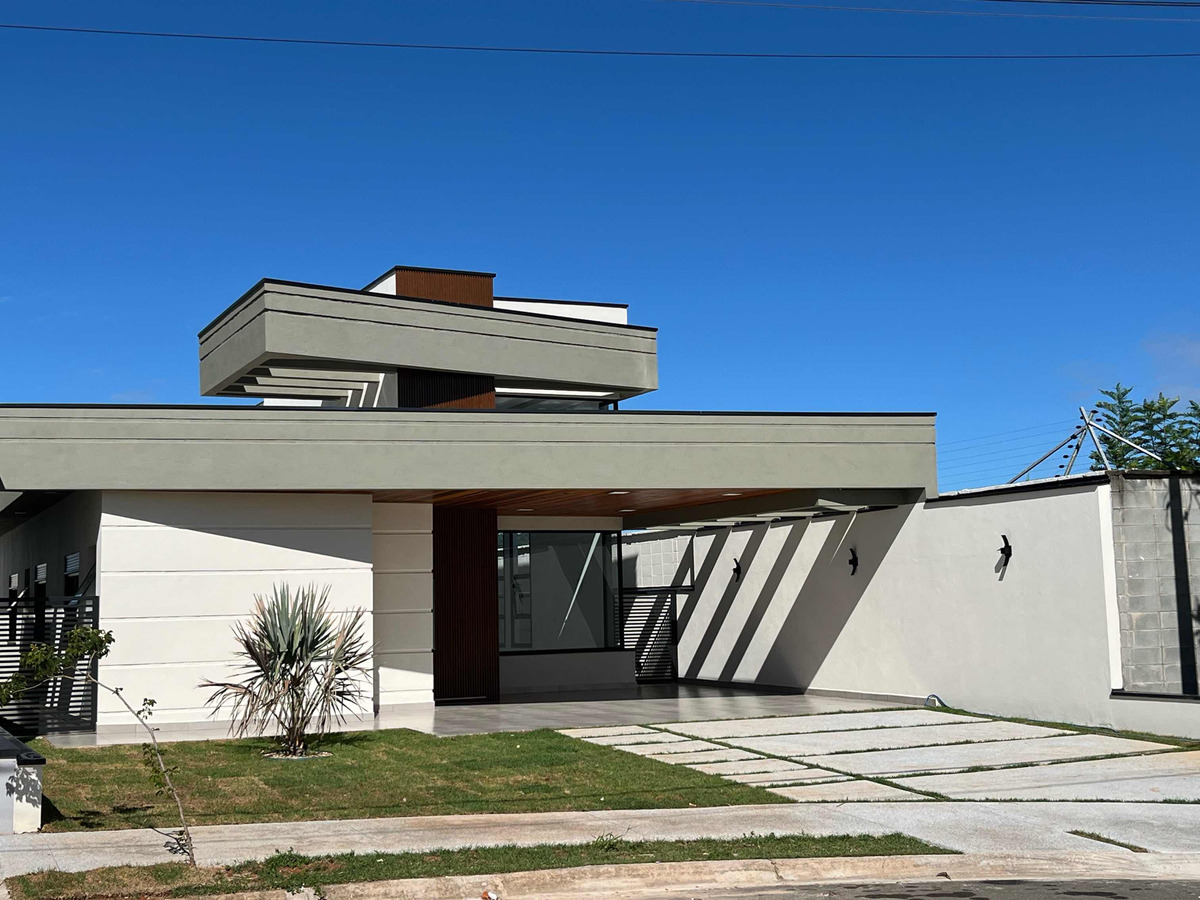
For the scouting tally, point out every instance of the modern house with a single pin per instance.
(456, 464)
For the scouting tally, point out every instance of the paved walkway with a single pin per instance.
(980, 827)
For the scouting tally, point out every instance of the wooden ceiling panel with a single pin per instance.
(607, 502)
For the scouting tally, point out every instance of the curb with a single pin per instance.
(757, 873)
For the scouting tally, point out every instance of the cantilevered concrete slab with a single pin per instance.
(784, 461)
(281, 324)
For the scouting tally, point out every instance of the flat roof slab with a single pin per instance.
(736, 728)
(965, 756)
(890, 738)
(1163, 776)
(842, 791)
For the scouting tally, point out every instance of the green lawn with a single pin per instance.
(380, 773)
(292, 871)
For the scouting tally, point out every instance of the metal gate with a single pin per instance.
(63, 704)
(648, 628)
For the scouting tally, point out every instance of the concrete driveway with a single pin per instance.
(915, 755)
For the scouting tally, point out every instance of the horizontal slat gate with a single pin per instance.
(648, 628)
(62, 704)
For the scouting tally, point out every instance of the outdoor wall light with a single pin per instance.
(737, 569)
(853, 561)
(1006, 551)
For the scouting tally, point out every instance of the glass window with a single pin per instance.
(70, 574)
(558, 590)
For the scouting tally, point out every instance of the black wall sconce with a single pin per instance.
(737, 569)
(1006, 551)
(853, 561)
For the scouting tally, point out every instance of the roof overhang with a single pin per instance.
(281, 325)
(209, 448)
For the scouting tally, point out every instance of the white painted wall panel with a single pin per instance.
(402, 540)
(179, 569)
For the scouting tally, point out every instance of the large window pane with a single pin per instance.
(558, 590)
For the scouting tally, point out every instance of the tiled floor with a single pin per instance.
(848, 754)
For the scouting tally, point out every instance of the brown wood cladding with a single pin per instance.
(421, 389)
(452, 287)
(571, 502)
(466, 633)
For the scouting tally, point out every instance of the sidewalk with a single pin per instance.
(968, 827)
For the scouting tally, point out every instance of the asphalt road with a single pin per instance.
(962, 890)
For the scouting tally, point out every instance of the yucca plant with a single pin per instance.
(302, 669)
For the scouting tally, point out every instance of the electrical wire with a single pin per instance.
(579, 51)
(776, 4)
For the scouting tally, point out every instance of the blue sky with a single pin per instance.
(990, 240)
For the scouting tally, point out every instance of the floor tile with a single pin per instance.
(1163, 776)
(813, 723)
(965, 756)
(606, 731)
(844, 791)
(889, 738)
(684, 746)
(804, 775)
(725, 754)
(747, 766)
(626, 740)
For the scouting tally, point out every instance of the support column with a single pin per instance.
(466, 638)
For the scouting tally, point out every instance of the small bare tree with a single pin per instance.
(76, 661)
(303, 668)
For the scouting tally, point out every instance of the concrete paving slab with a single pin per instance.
(976, 827)
(1162, 776)
(1158, 827)
(747, 766)
(606, 731)
(843, 721)
(724, 754)
(843, 791)
(965, 756)
(890, 738)
(802, 776)
(626, 740)
(684, 746)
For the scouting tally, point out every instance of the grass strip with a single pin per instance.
(292, 871)
(1092, 836)
(395, 772)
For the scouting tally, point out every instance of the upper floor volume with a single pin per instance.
(424, 338)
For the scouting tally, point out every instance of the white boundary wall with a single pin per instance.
(402, 551)
(928, 611)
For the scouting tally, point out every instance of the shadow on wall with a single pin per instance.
(774, 617)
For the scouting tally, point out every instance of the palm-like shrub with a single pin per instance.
(302, 668)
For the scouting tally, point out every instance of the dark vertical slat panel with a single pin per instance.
(420, 389)
(450, 287)
(466, 636)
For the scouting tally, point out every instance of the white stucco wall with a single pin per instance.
(177, 570)
(402, 550)
(928, 611)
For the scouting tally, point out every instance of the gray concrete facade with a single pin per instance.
(1156, 543)
(273, 449)
(285, 321)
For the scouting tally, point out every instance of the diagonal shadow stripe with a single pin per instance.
(765, 596)
(701, 579)
(732, 588)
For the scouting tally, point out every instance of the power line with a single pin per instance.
(574, 51)
(983, 437)
(774, 4)
(1166, 4)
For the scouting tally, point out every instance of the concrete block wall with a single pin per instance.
(1156, 543)
(655, 559)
